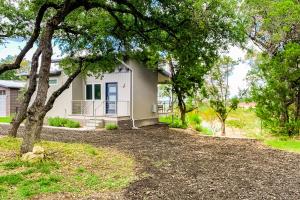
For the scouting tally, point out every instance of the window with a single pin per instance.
(89, 92)
(52, 81)
(97, 91)
(2, 92)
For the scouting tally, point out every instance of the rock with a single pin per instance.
(38, 150)
(31, 157)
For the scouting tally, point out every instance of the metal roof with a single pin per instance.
(12, 84)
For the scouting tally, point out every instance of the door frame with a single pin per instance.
(106, 97)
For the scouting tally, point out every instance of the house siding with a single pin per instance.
(14, 101)
(124, 87)
(144, 93)
(62, 105)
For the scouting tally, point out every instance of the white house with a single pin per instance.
(127, 96)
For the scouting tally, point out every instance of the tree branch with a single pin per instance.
(32, 39)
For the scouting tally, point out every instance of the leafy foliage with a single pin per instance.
(275, 87)
(13, 74)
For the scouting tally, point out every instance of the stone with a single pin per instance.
(38, 150)
(31, 157)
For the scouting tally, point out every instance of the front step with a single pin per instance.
(95, 123)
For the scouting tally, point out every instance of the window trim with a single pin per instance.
(93, 91)
(87, 90)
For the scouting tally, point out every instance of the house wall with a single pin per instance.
(14, 103)
(77, 89)
(124, 87)
(62, 105)
(144, 94)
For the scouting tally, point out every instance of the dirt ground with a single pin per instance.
(174, 164)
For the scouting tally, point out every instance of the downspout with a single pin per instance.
(131, 80)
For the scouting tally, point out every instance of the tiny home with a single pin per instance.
(127, 96)
(9, 96)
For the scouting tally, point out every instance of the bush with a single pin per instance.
(166, 119)
(206, 131)
(236, 123)
(72, 124)
(111, 126)
(194, 118)
(62, 122)
(177, 124)
(198, 128)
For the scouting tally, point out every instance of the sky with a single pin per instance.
(236, 80)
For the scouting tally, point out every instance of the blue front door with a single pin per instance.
(111, 98)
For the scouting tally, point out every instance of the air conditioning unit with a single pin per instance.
(154, 108)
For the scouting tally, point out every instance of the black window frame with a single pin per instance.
(94, 90)
(89, 87)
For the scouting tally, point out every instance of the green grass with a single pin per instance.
(290, 145)
(111, 126)
(72, 168)
(5, 119)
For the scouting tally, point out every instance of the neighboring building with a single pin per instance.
(9, 93)
(247, 105)
(127, 96)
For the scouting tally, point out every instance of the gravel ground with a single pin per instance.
(174, 164)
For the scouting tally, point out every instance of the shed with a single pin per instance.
(9, 93)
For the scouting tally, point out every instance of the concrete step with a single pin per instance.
(92, 123)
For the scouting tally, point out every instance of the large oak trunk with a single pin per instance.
(21, 115)
(29, 136)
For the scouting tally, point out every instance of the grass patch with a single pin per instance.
(290, 145)
(62, 122)
(72, 168)
(5, 119)
(111, 126)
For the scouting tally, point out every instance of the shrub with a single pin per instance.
(177, 124)
(72, 124)
(111, 126)
(206, 131)
(194, 118)
(198, 127)
(166, 119)
(62, 122)
(236, 123)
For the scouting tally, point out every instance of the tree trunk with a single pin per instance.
(29, 137)
(38, 129)
(51, 101)
(183, 116)
(42, 90)
(182, 107)
(21, 115)
(223, 128)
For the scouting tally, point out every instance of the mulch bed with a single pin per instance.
(175, 164)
